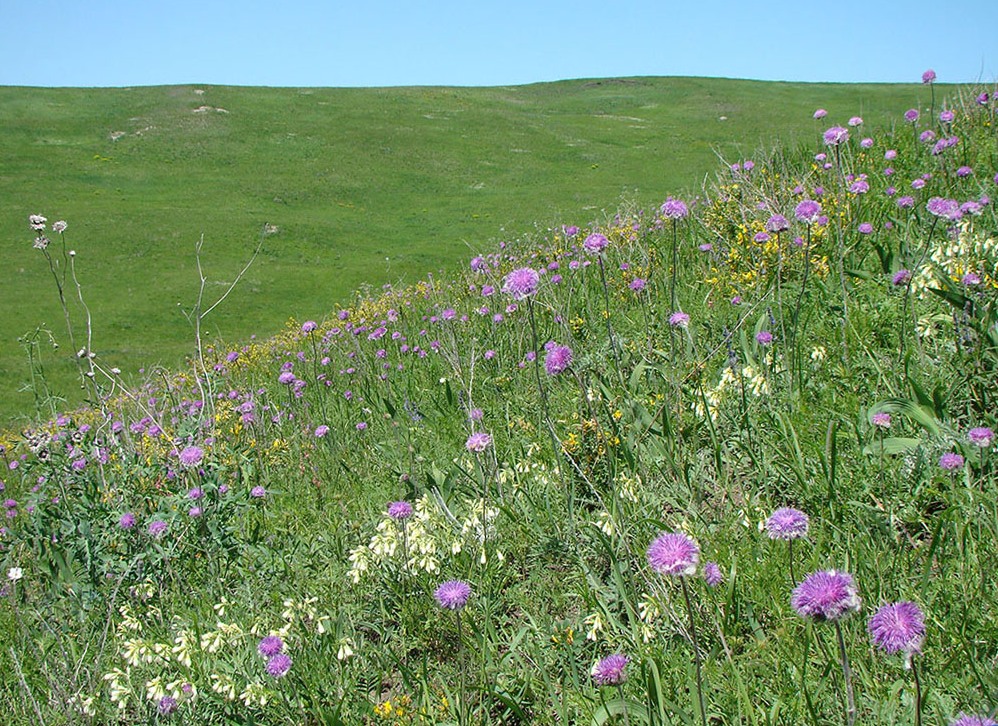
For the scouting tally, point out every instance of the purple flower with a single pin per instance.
(927, 136)
(453, 594)
(195, 493)
(807, 211)
(761, 237)
(881, 420)
(674, 209)
(950, 461)
(836, 135)
(948, 208)
(258, 492)
(557, 360)
(981, 436)
(777, 223)
(399, 511)
(321, 431)
(787, 523)
(610, 670)
(270, 646)
(673, 554)
(856, 121)
(764, 337)
(279, 665)
(712, 574)
(167, 705)
(286, 378)
(679, 320)
(911, 115)
(521, 283)
(637, 284)
(964, 171)
(946, 116)
(826, 595)
(865, 228)
(157, 528)
(820, 113)
(127, 520)
(478, 442)
(195, 512)
(898, 627)
(866, 143)
(929, 76)
(906, 202)
(901, 277)
(191, 456)
(967, 720)
(970, 279)
(308, 326)
(570, 231)
(595, 243)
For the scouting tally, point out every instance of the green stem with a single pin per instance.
(696, 652)
(847, 677)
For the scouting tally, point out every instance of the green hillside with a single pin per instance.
(363, 186)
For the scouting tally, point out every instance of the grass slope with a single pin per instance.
(365, 186)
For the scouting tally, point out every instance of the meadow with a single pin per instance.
(725, 457)
(349, 188)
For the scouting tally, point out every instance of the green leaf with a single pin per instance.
(894, 445)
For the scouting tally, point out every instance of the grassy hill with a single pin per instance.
(363, 187)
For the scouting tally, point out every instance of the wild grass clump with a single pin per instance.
(727, 460)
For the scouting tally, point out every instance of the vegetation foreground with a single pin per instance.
(727, 460)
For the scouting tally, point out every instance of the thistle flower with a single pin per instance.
(787, 523)
(673, 554)
(764, 337)
(856, 121)
(898, 627)
(167, 705)
(258, 492)
(453, 594)
(826, 595)
(521, 283)
(399, 511)
(610, 670)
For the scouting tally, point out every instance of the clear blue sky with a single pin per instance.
(487, 42)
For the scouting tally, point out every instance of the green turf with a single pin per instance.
(364, 186)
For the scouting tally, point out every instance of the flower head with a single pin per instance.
(807, 211)
(967, 720)
(826, 595)
(950, 461)
(191, 456)
(764, 337)
(777, 223)
(787, 523)
(558, 359)
(898, 627)
(157, 528)
(167, 705)
(836, 135)
(270, 646)
(673, 554)
(881, 420)
(674, 209)
(478, 442)
(399, 511)
(679, 320)
(981, 436)
(279, 665)
(929, 76)
(712, 574)
(127, 520)
(610, 670)
(820, 113)
(595, 243)
(521, 283)
(901, 277)
(453, 594)
(258, 492)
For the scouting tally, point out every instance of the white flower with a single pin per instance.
(14, 574)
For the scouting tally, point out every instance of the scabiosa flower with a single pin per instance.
(286, 378)
(929, 76)
(157, 528)
(911, 115)
(558, 359)
(712, 574)
(453, 594)
(777, 223)
(761, 237)
(167, 705)
(898, 627)
(673, 554)
(521, 283)
(321, 431)
(679, 320)
(61, 225)
(820, 113)
(906, 202)
(399, 511)
(964, 719)
(946, 116)
(637, 284)
(674, 209)
(927, 136)
(964, 171)
(866, 143)
(948, 208)
(981, 436)
(881, 420)
(279, 665)
(478, 442)
(855, 121)
(826, 595)
(950, 461)
(270, 646)
(595, 243)
(807, 211)
(970, 279)
(127, 520)
(191, 456)
(836, 135)
(308, 326)
(865, 228)
(258, 492)
(764, 337)
(610, 671)
(787, 523)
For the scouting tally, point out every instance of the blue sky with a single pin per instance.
(484, 42)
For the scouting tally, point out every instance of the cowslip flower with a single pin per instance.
(673, 554)
(453, 594)
(898, 627)
(610, 671)
(826, 595)
(787, 523)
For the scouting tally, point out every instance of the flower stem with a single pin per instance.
(847, 677)
(696, 651)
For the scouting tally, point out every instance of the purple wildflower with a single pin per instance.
(127, 520)
(856, 121)
(399, 511)
(970, 279)
(679, 320)
(279, 665)
(595, 243)
(881, 420)
(981, 436)
(836, 135)
(777, 223)
(967, 720)
(787, 523)
(167, 705)
(826, 595)
(674, 209)
(820, 113)
(521, 283)
(929, 76)
(964, 171)
(712, 574)
(901, 277)
(948, 208)
(610, 670)
(865, 228)
(673, 554)
(453, 594)
(270, 646)
(157, 528)
(637, 284)
(946, 116)
(558, 359)
(911, 115)
(191, 456)
(950, 461)
(898, 627)
(321, 431)
(286, 378)
(807, 211)
(258, 492)
(308, 326)
(764, 337)
(478, 442)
